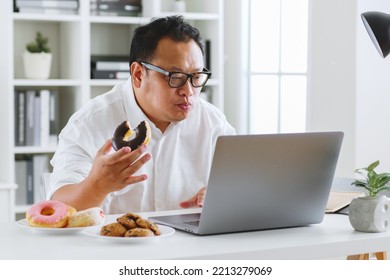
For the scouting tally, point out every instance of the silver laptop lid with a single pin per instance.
(269, 181)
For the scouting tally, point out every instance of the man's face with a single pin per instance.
(160, 102)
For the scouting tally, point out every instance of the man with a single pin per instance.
(167, 74)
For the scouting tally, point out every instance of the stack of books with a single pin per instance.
(69, 7)
(115, 7)
(36, 119)
(110, 67)
(29, 170)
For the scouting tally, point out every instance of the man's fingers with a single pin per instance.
(200, 199)
(189, 203)
(126, 156)
(201, 196)
(135, 179)
(197, 200)
(105, 148)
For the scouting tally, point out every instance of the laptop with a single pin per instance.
(260, 182)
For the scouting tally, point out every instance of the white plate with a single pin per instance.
(52, 231)
(165, 231)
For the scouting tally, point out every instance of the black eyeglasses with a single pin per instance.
(178, 79)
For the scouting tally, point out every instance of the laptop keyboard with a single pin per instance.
(192, 223)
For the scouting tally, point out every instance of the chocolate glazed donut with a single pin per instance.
(124, 136)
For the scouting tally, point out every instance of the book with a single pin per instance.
(37, 119)
(40, 166)
(48, 11)
(20, 111)
(28, 174)
(30, 181)
(100, 74)
(21, 181)
(53, 117)
(207, 55)
(112, 65)
(44, 118)
(118, 6)
(114, 13)
(110, 62)
(131, 2)
(93, 4)
(340, 199)
(63, 4)
(30, 101)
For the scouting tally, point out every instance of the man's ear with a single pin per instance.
(136, 74)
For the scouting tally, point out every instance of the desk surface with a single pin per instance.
(334, 237)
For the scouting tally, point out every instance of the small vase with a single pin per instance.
(37, 65)
(370, 214)
(179, 6)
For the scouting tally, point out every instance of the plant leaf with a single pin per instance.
(373, 165)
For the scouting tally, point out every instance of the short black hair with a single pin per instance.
(146, 37)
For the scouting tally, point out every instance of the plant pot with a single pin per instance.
(37, 65)
(178, 6)
(370, 214)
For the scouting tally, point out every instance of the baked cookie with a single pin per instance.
(139, 232)
(127, 221)
(113, 229)
(153, 227)
(130, 225)
(142, 223)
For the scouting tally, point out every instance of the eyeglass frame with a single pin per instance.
(170, 74)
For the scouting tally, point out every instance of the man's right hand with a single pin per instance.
(110, 172)
(113, 171)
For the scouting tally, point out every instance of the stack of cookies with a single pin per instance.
(130, 225)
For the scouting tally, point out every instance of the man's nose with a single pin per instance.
(187, 89)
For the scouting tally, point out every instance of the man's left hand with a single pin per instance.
(196, 201)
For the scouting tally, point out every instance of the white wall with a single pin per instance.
(372, 95)
(236, 82)
(349, 83)
(331, 85)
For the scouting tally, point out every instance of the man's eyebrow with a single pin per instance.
(176, 69)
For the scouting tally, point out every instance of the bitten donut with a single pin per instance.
(125, 136)
(50, 214)
(85, 218)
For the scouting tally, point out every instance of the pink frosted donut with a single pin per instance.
(50, 214)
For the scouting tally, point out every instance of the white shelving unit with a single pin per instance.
(73, 39)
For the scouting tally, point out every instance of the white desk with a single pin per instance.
(334, 237)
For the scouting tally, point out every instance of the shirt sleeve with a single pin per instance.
(73, 158)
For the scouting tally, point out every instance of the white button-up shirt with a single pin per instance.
(181, 156)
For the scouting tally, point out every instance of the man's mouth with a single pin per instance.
(185, 106)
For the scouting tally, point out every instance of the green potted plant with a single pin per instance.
(371, 213)
(374, 183)
(37, 58)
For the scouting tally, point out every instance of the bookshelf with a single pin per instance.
(73, 39)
